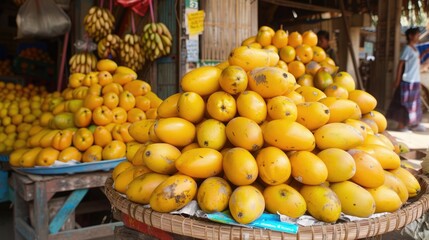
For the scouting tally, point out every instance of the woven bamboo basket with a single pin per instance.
(205, 229)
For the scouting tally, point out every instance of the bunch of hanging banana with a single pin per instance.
(156, 40)
(99, 22)
(108, 47)
(130, 52)
(84, 62)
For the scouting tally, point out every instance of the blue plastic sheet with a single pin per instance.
(265, 221)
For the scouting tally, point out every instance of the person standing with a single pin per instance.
(405, 107)
(323, 42)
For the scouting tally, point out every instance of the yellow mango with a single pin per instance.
(284, 199)
(249, 58)
(288, 135)
(322, 203)
(203, 80)
(246, 204)
(213, 194)
(386, 200)
(173, 193)
(412, 184)
(338, 135)
(271, 81)
(168, 107)
(140, 189)
(200, 162)
(355, 200)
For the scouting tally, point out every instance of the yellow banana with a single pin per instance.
(153, 27)
(165, 30)
(165, 40)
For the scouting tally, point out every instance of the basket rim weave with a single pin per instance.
(205, 229)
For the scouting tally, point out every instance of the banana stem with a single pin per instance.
(151, 11)
(133, 25)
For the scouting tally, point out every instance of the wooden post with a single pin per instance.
(41, 211)
(387, 52)
(350, 47)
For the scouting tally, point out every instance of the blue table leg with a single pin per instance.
(64, 212)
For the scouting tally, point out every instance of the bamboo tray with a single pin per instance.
(205, 229)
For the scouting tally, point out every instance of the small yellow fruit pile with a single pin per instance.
(90, 119)
(20, 108)
(244, 136)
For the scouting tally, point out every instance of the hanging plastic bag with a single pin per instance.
(41, 19)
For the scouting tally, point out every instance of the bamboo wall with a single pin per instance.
(227, 24)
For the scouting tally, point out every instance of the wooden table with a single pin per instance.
(33, 199)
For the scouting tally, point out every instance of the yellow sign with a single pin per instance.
(196, 22)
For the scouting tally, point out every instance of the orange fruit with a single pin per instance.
(280, 38)
(309, 38)
(263, 38)
(304, 53)
(287, 54)
(297, 68)
(295, 39)
(305, 80)
(318, 54)
(322, 79)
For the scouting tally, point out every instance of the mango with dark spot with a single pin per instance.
(213, 194)
(312, 114)
(173, 193)
(285, 200)
(246, 204)
(240, 166)
(322, 203)
(271, 81)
